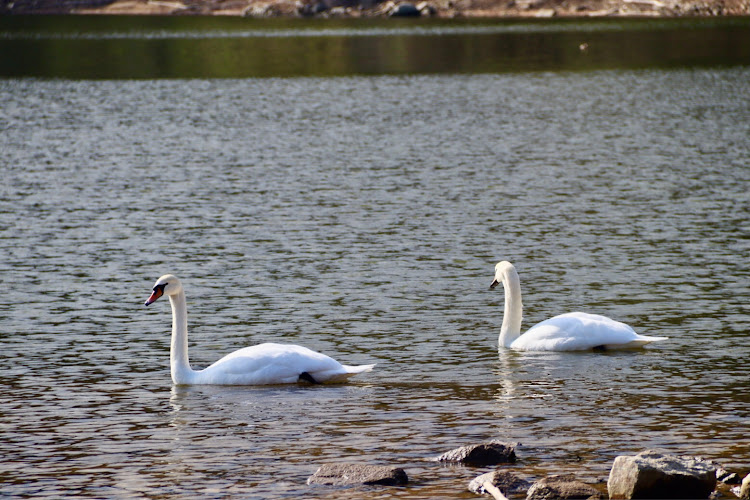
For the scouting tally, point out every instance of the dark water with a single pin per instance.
(362, 216)
(187, 47)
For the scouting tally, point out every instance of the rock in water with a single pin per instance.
(507, 482)
(491, 453)
(745, 488)
(404, 9)
(352, 474)
(653, 475)
(562, 487)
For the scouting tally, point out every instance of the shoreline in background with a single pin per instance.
(388, 8)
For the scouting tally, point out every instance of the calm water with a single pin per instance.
(148, 47)
(362, 217)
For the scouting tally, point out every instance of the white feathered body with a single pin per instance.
(579, 331)
(574, 331)
(265, 364)
(261, 364)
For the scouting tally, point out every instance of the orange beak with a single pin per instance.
(158, 292)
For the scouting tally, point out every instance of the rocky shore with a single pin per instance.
(385, 8)
(648, 474)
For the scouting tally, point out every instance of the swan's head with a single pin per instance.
(502, 271)
(166, 285)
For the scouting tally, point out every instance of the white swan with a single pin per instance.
(567, 332)
(257, 365)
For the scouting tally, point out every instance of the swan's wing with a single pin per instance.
(579, 332)
(272, 364)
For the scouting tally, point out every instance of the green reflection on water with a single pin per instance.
(96, 47)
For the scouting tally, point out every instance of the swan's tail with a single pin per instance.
(639, 342)
(340, 376)
(353, 370)
(646, 339)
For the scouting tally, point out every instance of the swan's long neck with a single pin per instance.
(181, 371)
(513, 314)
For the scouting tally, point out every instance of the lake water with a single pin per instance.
(146, 47)
(362, 216)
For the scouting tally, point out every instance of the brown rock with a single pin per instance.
(564, 486)
(507, 482)
(491, 453)
(352, 474)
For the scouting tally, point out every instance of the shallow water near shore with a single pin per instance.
(362, 216)
(145, 47)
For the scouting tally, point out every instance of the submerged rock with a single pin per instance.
(491, 453)
(351, 474)
(507, 482)
(650, 474)
(563, 486)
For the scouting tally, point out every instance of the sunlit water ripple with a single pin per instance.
(362, 217)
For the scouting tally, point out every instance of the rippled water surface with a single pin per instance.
(362, 217)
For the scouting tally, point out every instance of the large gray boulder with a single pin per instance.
(491, 453)
(507, 482)
(650, 474)
(348, 474)
(564, 487)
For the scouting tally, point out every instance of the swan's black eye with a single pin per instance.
(160, 287)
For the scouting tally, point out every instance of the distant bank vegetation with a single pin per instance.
(382, 8)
